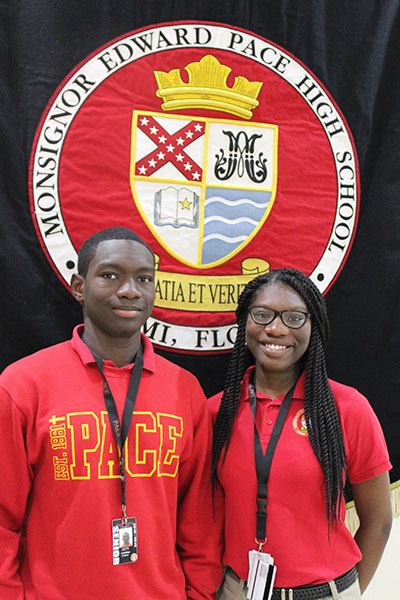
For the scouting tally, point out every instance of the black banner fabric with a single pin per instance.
(351, 47)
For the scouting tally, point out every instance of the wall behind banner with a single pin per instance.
(352, 47)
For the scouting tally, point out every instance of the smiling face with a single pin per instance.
(276, 348)
(117, 294)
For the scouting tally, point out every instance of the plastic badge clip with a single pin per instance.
(260, 543)
(124, 517)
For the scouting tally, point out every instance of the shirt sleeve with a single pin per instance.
(199, 529)
(15, 477)
(367, 453)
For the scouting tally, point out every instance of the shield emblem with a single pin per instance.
(203, 186)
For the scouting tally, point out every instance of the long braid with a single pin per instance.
(323, 424)
(237, 366)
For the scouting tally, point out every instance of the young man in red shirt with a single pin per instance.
(79, 470)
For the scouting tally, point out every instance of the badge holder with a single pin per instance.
(124, 540)
(261, 577)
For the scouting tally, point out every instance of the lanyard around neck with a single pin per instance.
(264, 462)
(121, 430)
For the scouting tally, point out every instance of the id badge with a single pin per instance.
(261, 576)
(124, 541)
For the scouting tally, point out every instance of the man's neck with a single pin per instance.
(120, 351)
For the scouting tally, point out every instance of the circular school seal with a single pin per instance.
(217, 147)
(299, 423)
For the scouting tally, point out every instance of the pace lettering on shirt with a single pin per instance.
(84, 446)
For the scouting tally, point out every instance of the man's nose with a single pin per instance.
(129, 288)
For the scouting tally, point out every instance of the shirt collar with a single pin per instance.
(298, 390)
(87, 357)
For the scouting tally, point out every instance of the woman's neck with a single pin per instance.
(275, 384)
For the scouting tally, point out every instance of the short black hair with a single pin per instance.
(89, 246)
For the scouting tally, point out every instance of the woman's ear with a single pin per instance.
(77, 287)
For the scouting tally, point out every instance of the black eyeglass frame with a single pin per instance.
(279, 313)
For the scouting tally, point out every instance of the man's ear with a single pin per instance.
(77, 286)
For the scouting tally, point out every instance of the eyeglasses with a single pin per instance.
(294, 319)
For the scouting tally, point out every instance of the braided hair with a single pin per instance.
(322, 421)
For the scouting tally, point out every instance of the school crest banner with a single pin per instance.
(219, 147)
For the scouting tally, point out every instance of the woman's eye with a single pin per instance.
(261, 315)
(295, 317)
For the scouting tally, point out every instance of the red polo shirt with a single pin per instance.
(297, 530)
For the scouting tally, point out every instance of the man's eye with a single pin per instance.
(146, 278)
(110, 276)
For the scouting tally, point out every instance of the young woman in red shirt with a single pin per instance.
(328, 436)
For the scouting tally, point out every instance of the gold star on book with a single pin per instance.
(185, 203)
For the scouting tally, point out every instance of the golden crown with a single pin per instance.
(207, 89)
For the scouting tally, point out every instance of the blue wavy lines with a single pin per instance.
(218, 236)
(230, 216)
(224, 220)
(230, 231)
(223, 200)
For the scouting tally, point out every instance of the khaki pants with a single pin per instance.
(232, 589)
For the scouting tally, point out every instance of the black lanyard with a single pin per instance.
(121, 430)
(264, 462)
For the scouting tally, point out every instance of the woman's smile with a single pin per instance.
(277, 348)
